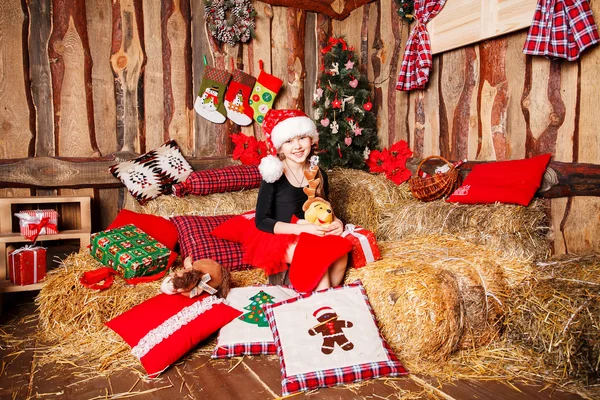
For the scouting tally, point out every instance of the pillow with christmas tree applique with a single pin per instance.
(250, 334)
(329, 338)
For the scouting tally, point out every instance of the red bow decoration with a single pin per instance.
(334, 42)
(44, 222)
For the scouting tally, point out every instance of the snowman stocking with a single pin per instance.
(209, 102)
(265, 89)
(237, 96)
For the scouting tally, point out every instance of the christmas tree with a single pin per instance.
(343, 110)
(255, 314)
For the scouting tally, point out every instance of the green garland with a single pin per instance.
(237, 27)
(406, 9)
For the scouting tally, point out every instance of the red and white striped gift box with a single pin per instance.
(28, 219)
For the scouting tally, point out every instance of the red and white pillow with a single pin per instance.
(220, 180)
(512, 182)
(196, 241)
(165, 327)
(250, 334)
(236, 229)
(316, 349)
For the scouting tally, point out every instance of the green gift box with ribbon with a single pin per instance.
(130, 252)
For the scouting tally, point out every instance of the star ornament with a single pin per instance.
(358, 130)
(336, 103)
(349, 64)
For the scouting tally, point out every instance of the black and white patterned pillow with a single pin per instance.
(153, 173)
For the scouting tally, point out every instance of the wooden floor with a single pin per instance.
(202, 378)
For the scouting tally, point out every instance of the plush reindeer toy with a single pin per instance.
(316, 210)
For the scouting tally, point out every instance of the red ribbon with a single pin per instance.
(334, 42)
(44, 222)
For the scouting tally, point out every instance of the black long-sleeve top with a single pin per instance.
(279, 200)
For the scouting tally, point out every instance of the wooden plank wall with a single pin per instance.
(91, 78)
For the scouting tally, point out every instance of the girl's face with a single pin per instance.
(297, 149)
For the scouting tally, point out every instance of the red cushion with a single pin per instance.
(170, 325)
(513, 182)
(220, 180)
(236, 228)
(196, 241)
(159, 228)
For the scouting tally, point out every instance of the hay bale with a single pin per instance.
(520, 232)
(231, 203)
(72, 317)
(557, 313)
(359, 197)
(439, 264)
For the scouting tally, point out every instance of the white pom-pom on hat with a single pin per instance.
(271, 168)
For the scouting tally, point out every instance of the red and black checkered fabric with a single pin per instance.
(335, 376)
(417, 61)
(561, 29)
(220, 180)
(244, 349)
(196, 241)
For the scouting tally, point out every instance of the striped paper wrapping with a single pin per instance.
(35, 216)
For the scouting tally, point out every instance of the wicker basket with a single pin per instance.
(436, 186)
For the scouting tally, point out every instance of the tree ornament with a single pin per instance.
(230, 21)
(354, 82)
(339, 149)
(368, 105)
(349, 65)
(325, 122)
(335, 70)
(318, 94)
(348, 140)
(366, 153)
(335, 127)
(336, 103)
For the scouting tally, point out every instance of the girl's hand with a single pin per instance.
(314, 229)
(335, 228)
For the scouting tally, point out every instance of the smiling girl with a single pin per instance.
(292, 138)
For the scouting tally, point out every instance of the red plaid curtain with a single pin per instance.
(561, 29)
(414, 72)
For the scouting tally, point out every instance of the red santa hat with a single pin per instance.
(322, 311)
(280, 126)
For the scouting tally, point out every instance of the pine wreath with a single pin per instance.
(236, 27)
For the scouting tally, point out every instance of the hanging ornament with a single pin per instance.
(354, 82)
(349, 65)
(318, 94)
(336, 103)
(325, 122)
(368, 105)
(347, 99)
(335, 127)
(348, 140)
(339, 150)
(366, 153)
(335, 70)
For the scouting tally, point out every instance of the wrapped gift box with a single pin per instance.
(130, 251)
(32, 221)
(364, 246)
(27, 265)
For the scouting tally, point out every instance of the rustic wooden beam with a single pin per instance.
(76, 172)
(561, 179)
(336, 9)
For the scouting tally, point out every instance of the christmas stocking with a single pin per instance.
(209, 102)
(263, 95)
(313, 257)
(237, 96)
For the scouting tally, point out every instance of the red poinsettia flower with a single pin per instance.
(377, 160)
(401, 150)
(246, 149)
(398, 175)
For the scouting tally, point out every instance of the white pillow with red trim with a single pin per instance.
(162, 329)
(250, 334)
(329, 338)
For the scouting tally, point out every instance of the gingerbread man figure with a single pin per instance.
(330, 326)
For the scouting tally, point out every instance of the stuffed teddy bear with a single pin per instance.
(316, 210)
(202, 275)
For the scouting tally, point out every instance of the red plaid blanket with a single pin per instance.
(562, 29)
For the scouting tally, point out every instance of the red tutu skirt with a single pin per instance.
(266, 250)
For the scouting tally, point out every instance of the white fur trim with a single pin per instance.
(271, 168)
(293, 127)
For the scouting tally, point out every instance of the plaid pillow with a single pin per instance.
(329, 338)
(249, 334)
(227, 179)
(153, 173)
(196, 241)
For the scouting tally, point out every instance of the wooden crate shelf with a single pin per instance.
(78, 227)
